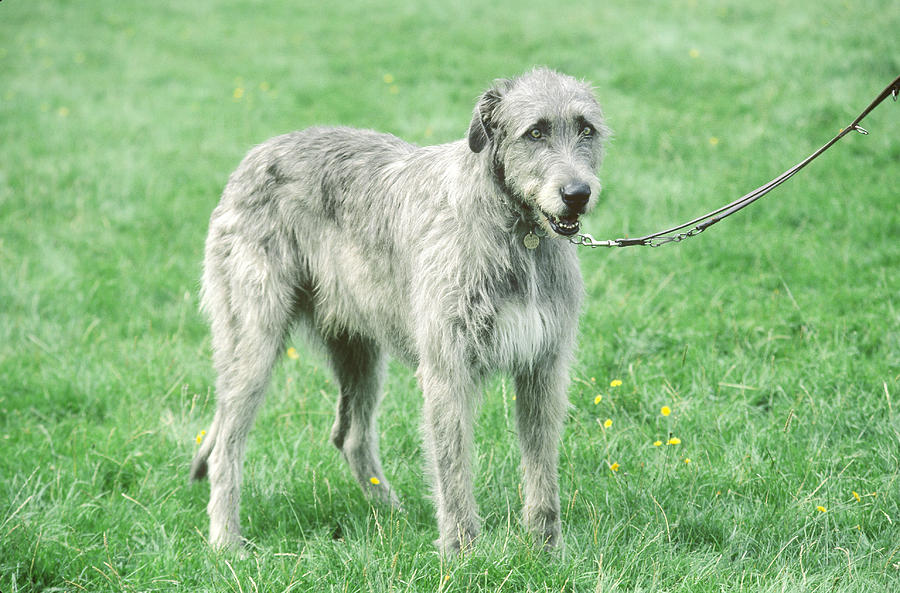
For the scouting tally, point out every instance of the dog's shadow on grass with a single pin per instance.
(328, 508)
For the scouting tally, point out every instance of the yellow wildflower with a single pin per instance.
(238, 93)
(375, 481)
(200, 436)
(821, 509)
(713, 140)
(614, 466)
(292, 353)
(608, 423)
(598, 399)
(615, 383)
(694, 53)
(687, 459)
(657, 443)
(855, 495)
(665, 410)
(673, 441)
(388, 78)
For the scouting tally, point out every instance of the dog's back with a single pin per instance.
(334, 213)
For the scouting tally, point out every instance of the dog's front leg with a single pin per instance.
(448, 420)
(540, 412)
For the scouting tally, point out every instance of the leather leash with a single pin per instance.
(702, 223)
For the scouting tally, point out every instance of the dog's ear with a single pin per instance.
(482, 128)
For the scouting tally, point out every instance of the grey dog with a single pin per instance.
(452, 258)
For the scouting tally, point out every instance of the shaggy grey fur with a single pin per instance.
(377, 246)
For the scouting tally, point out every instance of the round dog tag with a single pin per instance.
(531, 240)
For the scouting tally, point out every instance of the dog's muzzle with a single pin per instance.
(575, 196)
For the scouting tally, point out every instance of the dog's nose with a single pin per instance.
(576, 195)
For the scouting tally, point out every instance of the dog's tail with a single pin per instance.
(200, 465)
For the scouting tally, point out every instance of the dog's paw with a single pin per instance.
(544, 525)
(453, 547)
(459, 542)
(231, 542)
(380, 492)
(239, 549)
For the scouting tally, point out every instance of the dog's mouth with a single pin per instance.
(562, 225)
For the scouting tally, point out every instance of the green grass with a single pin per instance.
(774, 338)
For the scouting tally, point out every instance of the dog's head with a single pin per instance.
(544, 132)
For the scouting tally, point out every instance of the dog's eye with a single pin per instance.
(535, 133)
(587, 131)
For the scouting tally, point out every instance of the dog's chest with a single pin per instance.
(520, 333)
(534, 315)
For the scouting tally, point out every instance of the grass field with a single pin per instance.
(773, 339)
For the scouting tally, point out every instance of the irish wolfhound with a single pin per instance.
(431, 254)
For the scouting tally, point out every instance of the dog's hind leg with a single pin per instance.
(249, 304)
(358, 364)
(240, 390)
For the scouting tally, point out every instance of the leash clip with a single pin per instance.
(587, 240)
